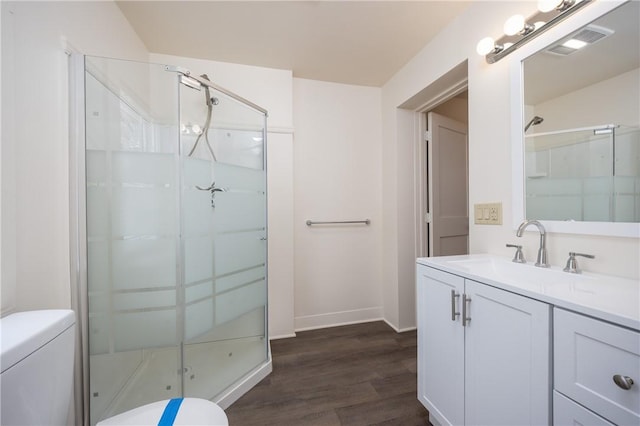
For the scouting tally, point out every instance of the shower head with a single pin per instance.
(534, 122)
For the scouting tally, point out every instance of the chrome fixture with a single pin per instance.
(541, 261)
(210, 101)
(572, 263)
(519, 256)
(518, 30)
(340, 222)
(534, 122)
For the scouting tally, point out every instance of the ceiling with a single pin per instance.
(548, 75)
(352, 42)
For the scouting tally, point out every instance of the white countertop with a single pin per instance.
(605, 297)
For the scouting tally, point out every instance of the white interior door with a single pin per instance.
(448, 186)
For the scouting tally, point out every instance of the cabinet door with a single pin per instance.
(507, 361)
(440, 346)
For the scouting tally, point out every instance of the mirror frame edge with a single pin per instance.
(516, 80)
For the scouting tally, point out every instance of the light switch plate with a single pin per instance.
(488, 214)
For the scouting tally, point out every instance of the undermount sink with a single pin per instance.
(518, 274)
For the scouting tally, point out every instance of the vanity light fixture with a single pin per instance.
(519, 31)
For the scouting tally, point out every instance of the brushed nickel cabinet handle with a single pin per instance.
(454, 296)
(623, 382)
(466, 301)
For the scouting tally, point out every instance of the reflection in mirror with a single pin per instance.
(581, 115)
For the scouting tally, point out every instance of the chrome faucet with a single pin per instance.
(542, 251)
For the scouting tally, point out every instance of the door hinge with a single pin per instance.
(427, 135)
(427, 217)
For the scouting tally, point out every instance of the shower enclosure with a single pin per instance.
(175, 194)
(586, 174)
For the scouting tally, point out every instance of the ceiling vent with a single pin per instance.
(586, 36)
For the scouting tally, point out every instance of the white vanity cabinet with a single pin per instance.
(483, 353)
(597, 366)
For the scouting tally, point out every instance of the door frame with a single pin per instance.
(421, 185)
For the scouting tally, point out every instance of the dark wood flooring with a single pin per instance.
(363, 374)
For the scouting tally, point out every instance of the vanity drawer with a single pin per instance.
(588, 353)
(568, 413)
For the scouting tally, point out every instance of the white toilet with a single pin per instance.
(37, 350)
(37, 367)
(177, 412)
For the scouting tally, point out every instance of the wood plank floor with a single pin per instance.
(363, 374)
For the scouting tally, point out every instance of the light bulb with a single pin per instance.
(514, 25)
(538, 25)
(548, 5)
(485, 46)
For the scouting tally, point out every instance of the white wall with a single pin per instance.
(271, 89)
(612, 101)
(337, 158)
(35, 150)
(489, 156)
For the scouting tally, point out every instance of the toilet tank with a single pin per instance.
(37, 351)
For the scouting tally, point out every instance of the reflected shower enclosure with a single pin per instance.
(588, 174)
(176, 229)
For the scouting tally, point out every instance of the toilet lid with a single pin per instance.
(192, 411)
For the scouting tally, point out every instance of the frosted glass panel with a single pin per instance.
(238, 251)
(176, 239)
(583, 175)
(145, 330)
(199, 318)
(144, 263)
(144, 211)
(229, 282)
(144, 300)
(198, 259)
(149, 168)
(233, 304)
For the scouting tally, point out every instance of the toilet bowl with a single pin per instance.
(177, 412)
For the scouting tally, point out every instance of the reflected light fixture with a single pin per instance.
(519, 31)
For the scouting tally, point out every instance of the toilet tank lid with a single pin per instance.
(23, 333)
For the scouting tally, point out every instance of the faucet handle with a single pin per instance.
(519, 256)
(572, 263)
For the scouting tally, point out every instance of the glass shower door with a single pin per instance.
(223, 226)
(132, 235)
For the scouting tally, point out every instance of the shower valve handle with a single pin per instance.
(211, 188)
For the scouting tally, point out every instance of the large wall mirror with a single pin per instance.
(579, 133)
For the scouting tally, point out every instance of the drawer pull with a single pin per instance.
(624, 382)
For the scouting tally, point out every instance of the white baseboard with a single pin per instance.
(282, 336)
(399, 330)
(334, 319)
(246, 384)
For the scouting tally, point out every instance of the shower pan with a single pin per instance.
(172, 276)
